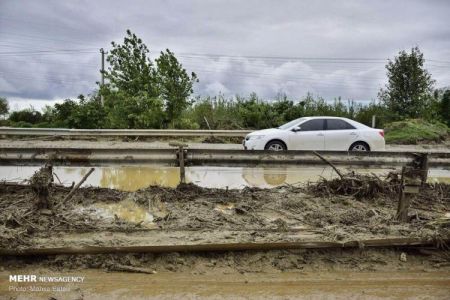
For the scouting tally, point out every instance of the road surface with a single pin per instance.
(42, 142)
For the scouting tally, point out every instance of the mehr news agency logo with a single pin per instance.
(43, 279)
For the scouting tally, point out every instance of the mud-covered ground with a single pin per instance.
(191, 208)
(314, 284)
(358, 207)
(274, 261)
(355, 208)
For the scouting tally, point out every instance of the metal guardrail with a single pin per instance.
(253, 158)
(83, 156)
(10, 131)
(208, 157)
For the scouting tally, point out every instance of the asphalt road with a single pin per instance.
(115, 144)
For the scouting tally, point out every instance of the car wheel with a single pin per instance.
(275, 146)
(359, 146)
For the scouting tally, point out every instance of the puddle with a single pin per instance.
(225, 208)
(126, 210)
(132, 178)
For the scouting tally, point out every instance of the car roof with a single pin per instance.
(329, 117)
(326, 117)
(358, 124)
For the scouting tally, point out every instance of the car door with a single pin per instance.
(339, 134)
(309, 135)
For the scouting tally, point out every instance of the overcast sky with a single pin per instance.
(49, 49)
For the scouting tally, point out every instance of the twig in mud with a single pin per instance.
(375, 175)
(122, 268)
(59, 180)
(328, 162)
(78, 185)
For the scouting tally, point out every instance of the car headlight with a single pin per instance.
(255, 137)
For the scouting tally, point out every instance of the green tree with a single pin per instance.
(174, 85)
(445, 107)
(4, 107)
(87, 113)
(133, 111)
(257, 113)
(131, 70)
(139, 93)
(63, 114)
(409, 89)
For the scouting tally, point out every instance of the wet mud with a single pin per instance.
(329, 210)
(335, 209)
(100, 284)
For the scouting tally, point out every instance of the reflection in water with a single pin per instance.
(438, 179)
(132, 178)
(272, 177)
(275, 179)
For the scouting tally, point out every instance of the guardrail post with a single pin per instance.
(412, 178)
(181, 162)
(181, 156)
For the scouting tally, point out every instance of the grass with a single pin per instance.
(415, 131)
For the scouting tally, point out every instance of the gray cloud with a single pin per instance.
(241, 30)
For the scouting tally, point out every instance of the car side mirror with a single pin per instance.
(297, 128)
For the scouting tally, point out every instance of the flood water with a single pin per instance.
(132, 178)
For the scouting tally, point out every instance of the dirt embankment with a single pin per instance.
(275, 261)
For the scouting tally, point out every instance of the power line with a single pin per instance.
(308, 60)
(343, 59)
(284, 76)
(47, 52)
(24, 37)
(265, 78)
(266, 64)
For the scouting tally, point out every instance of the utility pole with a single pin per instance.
(103, 74)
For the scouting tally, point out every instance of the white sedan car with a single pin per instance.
(317, 133)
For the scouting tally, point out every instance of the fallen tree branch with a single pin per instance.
(78, 185)
(25, 185)
(123, 268)
(57, 178)
(312, 244)
(329, 163)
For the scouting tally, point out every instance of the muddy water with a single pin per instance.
(132, 178)
(126, 210)
(302, 285)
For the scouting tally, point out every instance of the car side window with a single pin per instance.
(312, 125)
(336, 124)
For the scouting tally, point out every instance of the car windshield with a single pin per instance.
(291, 123)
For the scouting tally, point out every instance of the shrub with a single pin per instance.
(28, 115)
(21, 124)
(413, 131)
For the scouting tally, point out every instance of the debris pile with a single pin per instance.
(360, 186)
(353, 207)
(41, 183)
